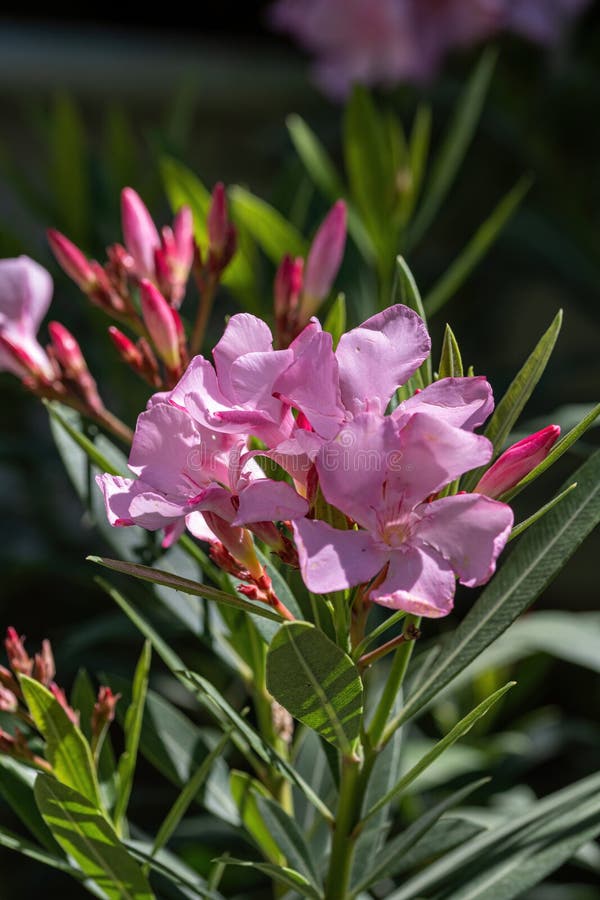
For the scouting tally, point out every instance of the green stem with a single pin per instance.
(347, 816)
(394, 681)
(207, 298)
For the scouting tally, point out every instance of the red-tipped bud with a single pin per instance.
(104, 710)
(139, 232)
(516, 462)
(44, 668)
(324, 258)
(71, 260)
(222, 238)
(8, 681)
(126, 349)
(8, 701)
(238, 541)
(286, 290)
(66, 350)
(163, 328)
(60, 695)
(18, 658)
(22, 364)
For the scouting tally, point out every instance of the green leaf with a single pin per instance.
(245, 791)
(316, 682)
(515, 855)
(455, 145)
(469, 257)
(67, 750)
(447, 833)
(16, 787)
(384, 864)
(89, 838)
(557, 451)
(510, 407)
(418, 151)
(288, 837)
(335, 322)
(267, 226)
(281, 874)
(406, 291)
(531, 520)
(460, 729)
(187, 796)
(68, 168)
(537, 558)
(174, 870)
(197, 589)
(315, 157)
(176, 747)
(133, 730)
(451, 365)
(11, 841)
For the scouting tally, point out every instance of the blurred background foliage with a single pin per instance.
(89, 107)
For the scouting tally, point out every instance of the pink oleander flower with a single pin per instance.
(189, 475)
(25, 295)
(388, 41)
(382, 471)
(516, 462)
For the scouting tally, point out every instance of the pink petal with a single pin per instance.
(196, 525)
(133, 502)
(252, 378)
(244, 334)
(420, 581)
(311, 384)
(430, 454)
(198, 390)
(25, 294)
(333, 560)
(269, 501)
(463, 402)
(470, 532)
(381, 354)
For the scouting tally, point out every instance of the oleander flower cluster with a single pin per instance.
(278, 444)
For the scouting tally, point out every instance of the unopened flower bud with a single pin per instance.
(139, 232)
(71, 260)
(287, 290)
(18, 658)
(104, 710)
(8, 701)
(238, 542)
(126, 349)
(44, 668)
(516, 462)
(67, 350)
(221, 232)
(160, 320)
(324, 259)
(60, 695)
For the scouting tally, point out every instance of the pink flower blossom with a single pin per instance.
(516, 462)
(382, 472)
(25, 294)
(387, 41)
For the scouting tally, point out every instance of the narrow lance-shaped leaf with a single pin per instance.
(245, 791)
(67, 750)
(289, 837)
(283, 875)
(468, 258)
(316, 682)
(197, 589)
(510, 407)
(16, 789)
(394, 850)
(269, 228)
(455, 145)
(531, 520)
(536, 560)
(133, 730)
(451, 365)
(406, 291)
(335, 322)
(89, 838)
(460, 729)
(10, 841)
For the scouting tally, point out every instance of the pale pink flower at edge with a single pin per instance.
(25, 295)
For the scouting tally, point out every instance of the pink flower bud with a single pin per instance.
(67, 350)
(222, 237)
(162, 325)
(18, 658)
(15, 358)
(238, 541)
(71, 260)
(287, 289)
(104, 710)
(60, 695)
(139, 232)
(44, 669)
(8, 701)
(183, 232)
(324, 258)
(516, 462)
(126, 349)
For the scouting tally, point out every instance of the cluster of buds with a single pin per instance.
(41, 667)
(301, 288)
(143, 283)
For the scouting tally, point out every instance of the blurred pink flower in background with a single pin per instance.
(388, 41)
